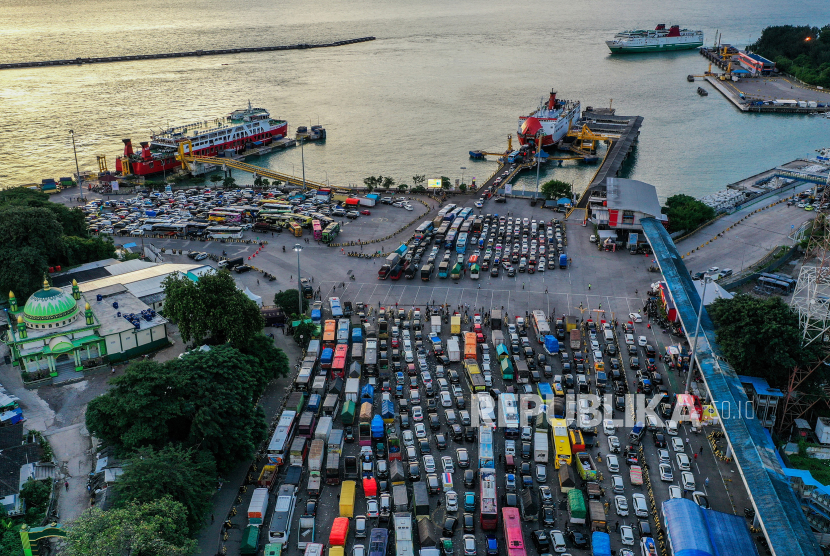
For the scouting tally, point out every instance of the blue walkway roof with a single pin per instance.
(775, 503)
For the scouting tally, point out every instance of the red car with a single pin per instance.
(365, 212)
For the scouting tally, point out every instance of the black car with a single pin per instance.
(611, 349)
(541, 359)
(452, 374)
(547, 370)
(349, 432)
(441, 441)
(469, 478)
(311, 507)
(619, 403)
(659, 439)
(432, 405)
(404, 417)
(634, 363)
(434, 423)
(548, 516)
(423, 444)
(469, 521)
(568, 378)
(632, 349)
(511, 500)
(470, 434)
(578, 539)
(650, 351)
(460, 402)
(527, 450)
(540, 540)
(579, 357)
(457, 433)
(414, 471)
(614, 363)
(450, 524)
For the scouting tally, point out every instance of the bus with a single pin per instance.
(545, 392)
(338, 365)
(489, 515)
(220, 215)
(224, 232)
(509, 409)
(449, 240)
(474, 376)
(296, 229)
(283, 435)
(422, 230)
(487, 410)
(540, 324)
(331, 232)
(330, 333)
(561, 442)
(314, 549)
(318, 230)
(461, 243)
(486, 457)
(513, 532)
(378, 541)
(404, 545)
(465, 212)
(280, 528)
(577, 441)
(343, 331)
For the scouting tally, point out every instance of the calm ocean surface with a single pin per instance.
(443, 78)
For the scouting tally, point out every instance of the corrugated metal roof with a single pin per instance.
(775, 503)
(129, 266)
(761, 386)
(136, 275)
(623, 194)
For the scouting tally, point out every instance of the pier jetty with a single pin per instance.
(188, 54)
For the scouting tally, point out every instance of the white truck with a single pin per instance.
(323, 429)
(352, 389)
(306, 531)
(258, 506)
(453, 350)
(540, 447)
(435, 325)
(316, 455)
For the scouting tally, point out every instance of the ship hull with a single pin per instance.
(617, 48)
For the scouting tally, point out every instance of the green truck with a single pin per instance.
(347, 414)
(250, 540)
(586, 466)
(455, 273)
(576, 506)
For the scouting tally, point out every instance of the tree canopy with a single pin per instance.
(801, 51)
(184, 474)
(205, 399)
(37, 234)
(211, 310)
(556, 189)
(155, 528)
(302, 333)
(289, 301)
(686, 213)
(761, 337)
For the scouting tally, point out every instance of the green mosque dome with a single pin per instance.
(50, 306)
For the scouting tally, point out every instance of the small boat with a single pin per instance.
(690, 78)
(702, 92)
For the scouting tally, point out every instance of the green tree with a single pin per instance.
(212, 309)
(445, 182)
(156, 528)
(229, 182)
(36, 494)
(419, 189)
(388, 183)
(184, 474)
(686, 213)
(801, 51)
(463, 188)
(302, 334)
(215, 178)
(204, 400)
(762, 337)
(265, 182)
(371, 183)
(289, 302)
(556, 189)
(258, 181)
(271, 360)
(402, 187)
(419, 179)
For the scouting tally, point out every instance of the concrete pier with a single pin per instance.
(109, 59)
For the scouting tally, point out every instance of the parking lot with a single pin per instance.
(595, 285)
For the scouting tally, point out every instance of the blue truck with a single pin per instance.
(563, 261)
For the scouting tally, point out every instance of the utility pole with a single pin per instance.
(77, 167)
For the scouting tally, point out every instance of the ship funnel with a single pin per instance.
(552, 100)
(128, 147)
(660, 27)
(145, 151)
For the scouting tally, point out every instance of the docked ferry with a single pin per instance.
(660, 39)
(242, 129)
(552, 119)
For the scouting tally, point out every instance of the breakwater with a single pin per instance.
(187, 54)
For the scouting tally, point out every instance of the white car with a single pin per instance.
(429, 464)
(608, 427)
(557, 539)
(420, 430)
(614, 444)
(663, 455)
(510, 448)
(408, 207)
(642, 341)
(451, 500)
(470, 548)
(479, 204)
(446, 399)
(613, 463)
(683, 462)
(372, 507)
(638, 500)
(677, 444)
(635, 317)
(629, 339)
(671, 428)
(627, 535)
(688, 480)
(417, 414)
(447, 464)
(675, 492)
(666, 473)
(621, 505)
(408, 438)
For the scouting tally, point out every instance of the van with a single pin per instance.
(652, 424)
(432, 483)
(446, 482)
(609, 336)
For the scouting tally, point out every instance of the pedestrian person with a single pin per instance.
(589, 287)
(257, 281)
(617, 526)
(695, 457)
(687, 440)
(212, 518)
(706, 482)
(66, 484)
(546, 290)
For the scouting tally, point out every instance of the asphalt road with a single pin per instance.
(596, 285)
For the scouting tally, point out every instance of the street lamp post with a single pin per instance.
(297, 248)
(538, 160)
(302, 157)
(462, 173)
(706, 280)
(77, 168)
